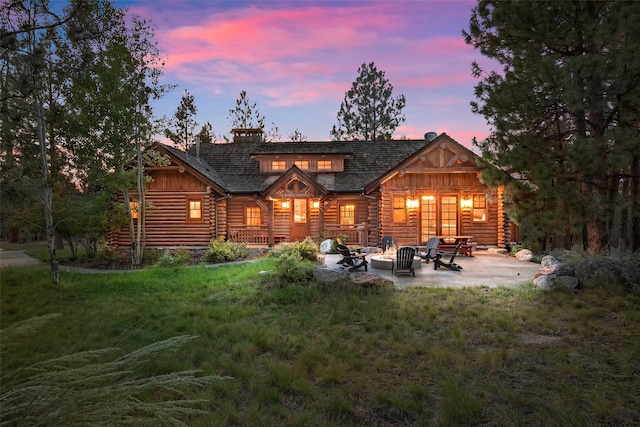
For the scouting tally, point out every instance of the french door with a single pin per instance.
(438, 216)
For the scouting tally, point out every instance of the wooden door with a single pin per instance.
(299, 220)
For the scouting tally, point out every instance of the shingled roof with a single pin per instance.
(232, 167)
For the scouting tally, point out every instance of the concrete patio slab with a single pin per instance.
(483, 269)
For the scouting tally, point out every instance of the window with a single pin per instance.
(134, 209)
(324, 164)
(252, 215)
(278, 165)
(300, 211)
(194, 210)
(449, 212)
(399, 209)
(429, 220)
(479, 207)
(302, 164)
(347, 214)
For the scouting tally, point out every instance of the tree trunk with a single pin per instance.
(47, 193)
(598, 237)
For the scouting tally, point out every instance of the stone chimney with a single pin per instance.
(247, 135)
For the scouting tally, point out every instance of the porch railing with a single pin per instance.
(255, 234)
(356, 233)
(259, 235)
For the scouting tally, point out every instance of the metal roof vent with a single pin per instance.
(430, 136)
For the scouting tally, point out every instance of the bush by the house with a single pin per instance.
(306, 249)
(222, 251)
(176, 258)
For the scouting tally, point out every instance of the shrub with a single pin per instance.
(293, 270)
(221, 251)
(307, 249)
(177, 258)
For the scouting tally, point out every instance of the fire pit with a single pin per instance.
(385, 262)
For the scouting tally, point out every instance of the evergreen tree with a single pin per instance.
(183, 123)
(297, 136)
(369, 112)
(206, 134)
(564, 112)
(246, 115)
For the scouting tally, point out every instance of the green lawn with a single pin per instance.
(342, 355)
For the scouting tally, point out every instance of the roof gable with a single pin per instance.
(443, 154)
(294, 182)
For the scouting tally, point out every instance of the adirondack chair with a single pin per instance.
(437, 263)
(387, 242)
(430, 250)
(404, 261)
(353, 260)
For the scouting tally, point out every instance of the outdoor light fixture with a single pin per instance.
(315, 204)
(466, 203)
(285, 204)
(412, 203)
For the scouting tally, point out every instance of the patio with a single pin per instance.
(483, 269)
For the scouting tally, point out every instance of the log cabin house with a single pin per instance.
(265, 193)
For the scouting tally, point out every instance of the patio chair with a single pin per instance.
(437, 263)
(353, 260)
(387, 242)
(404, 261)
(430, 250)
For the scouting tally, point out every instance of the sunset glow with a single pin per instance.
(297, 59)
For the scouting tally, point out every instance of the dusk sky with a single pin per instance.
(297, 59)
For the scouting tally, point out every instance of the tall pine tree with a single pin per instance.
(369, 112)
(564, 112)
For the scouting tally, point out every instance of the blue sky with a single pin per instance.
(297, 60)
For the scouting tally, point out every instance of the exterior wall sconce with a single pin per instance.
(315, 204)
(413, 203)
(466, 203)
(285, 204)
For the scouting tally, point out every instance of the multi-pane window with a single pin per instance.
(194, 210)
(428, 217)
(302, 164)
(278, 165)
(252, 215)
(479, 207)
(347, 214)
(449, 212)
(399, 209)
(324, 164)
(300, 210)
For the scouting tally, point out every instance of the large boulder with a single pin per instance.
(369, 280)
(554, 274)
(325, 246)
(524, 255)
(324, 274)
(549, 261)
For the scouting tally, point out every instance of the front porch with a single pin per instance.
(355, 234)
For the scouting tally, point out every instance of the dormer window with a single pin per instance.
(302, 164)
(324, 164)
(278, 165)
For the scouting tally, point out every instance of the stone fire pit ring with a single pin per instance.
(385, 262)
